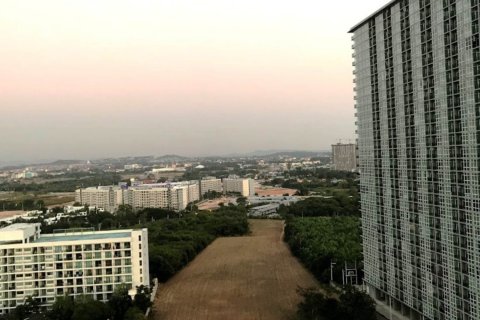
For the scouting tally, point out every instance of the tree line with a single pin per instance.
(317, 241)
(339, 205)
(174, 243)
(120, 306)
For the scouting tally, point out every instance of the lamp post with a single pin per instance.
(331, 270)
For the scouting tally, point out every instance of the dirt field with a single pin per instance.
(215, 203)
(9, 214)
(243, 278)
(274, 191)
(50, 199)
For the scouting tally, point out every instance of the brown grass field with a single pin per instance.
(215, 203)
(274, 191)
(241, 278)
(9, 214)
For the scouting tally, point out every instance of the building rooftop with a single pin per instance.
(18, 226)
(266, 207)
(82, 236)
(30, 232)
(358, 25)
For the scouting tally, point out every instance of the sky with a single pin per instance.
(91, 79)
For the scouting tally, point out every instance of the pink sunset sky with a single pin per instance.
(91, 79)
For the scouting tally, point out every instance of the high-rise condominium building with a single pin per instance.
(44, 266)
(417, 74)
(344, 156)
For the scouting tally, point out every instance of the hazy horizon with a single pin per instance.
(49, 160)
(89, 80)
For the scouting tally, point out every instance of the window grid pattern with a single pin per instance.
(418, 147)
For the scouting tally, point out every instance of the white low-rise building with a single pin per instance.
(86, 262)
(268, 210)
(285, 200)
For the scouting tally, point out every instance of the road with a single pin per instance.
(251, 277)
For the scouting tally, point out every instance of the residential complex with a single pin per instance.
(92, 263)
(168, 195)
(417, 75)
(106, 197)
(245, 187)
(211, 184)
(344, 156)
(173, 196)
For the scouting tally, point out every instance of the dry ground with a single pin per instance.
(252, 277)
(50, 199)
(9, 214)
(274, 191)
(215, 203)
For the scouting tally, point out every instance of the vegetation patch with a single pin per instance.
(318, 241)
(350, 305)
(174, 243)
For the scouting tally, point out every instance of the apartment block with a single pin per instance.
(175, 195)
(193, 191)
(106, 197)
(417, 93)
(86, 262)
(344, 156)
(245, 187)
(211, 184)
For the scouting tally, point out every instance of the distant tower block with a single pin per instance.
(344, 156)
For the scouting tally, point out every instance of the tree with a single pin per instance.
(352, 305)
(26, 310)
(302, 191)
(62, 309)
(120, 302)
(357, 305)
(142, 298)
(242, 201)
(134, 314)
(88, 309)
(316, 306)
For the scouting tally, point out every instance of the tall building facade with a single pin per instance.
(210, 184)
(344, 156)
(93, 263)
(234, 184)
(106, 197)
(417, 75)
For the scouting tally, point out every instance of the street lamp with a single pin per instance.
(331, 270)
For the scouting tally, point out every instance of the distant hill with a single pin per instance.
(298, 154)
(12, 165)
(170, 158)
(66, 162)
(282, 153)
